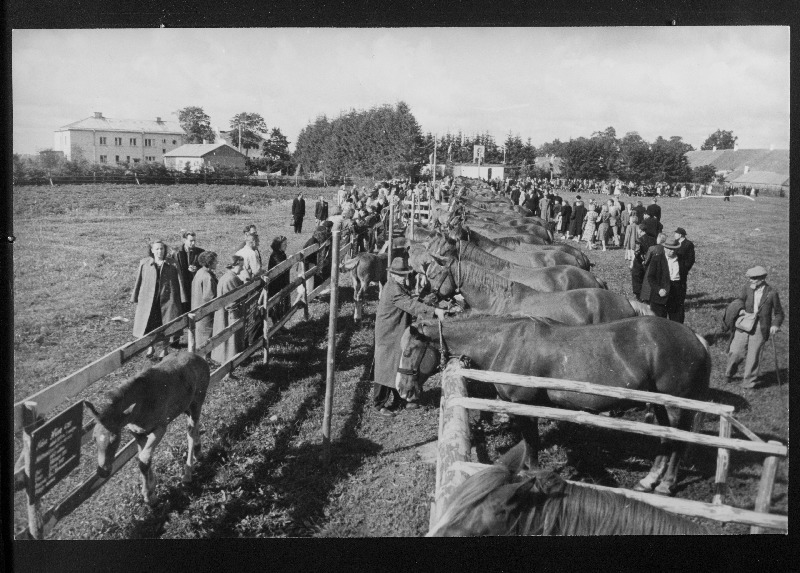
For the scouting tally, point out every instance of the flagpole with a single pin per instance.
(433, 186)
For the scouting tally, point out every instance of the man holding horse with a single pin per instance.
(396, 309)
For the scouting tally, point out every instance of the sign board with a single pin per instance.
(478, 152)
(55, 450)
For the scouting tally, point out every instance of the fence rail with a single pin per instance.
(30, 413)
(178, 179)
(454, 441)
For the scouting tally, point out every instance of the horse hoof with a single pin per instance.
(642, 488)
(664, 490)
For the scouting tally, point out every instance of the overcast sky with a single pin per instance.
(542, 83)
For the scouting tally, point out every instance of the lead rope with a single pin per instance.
(443, 354)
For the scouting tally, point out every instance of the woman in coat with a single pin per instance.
(281, 281)
(629, 242)
(224, 317)
(603, 225)
(566, 215)
(204, 289)
(589, 225)
(158, 293)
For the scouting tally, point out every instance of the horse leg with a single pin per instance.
(193, 439)
(529, 427)
(146, 447)
(648, 483)
(679, 419)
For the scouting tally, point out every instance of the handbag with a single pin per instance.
(747, 322)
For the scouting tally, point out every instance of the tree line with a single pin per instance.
(386, 141)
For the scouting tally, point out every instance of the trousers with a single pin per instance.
(745, 347)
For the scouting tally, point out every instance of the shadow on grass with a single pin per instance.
(294, 478)
(719, 302)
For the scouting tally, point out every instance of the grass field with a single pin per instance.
(75, 258)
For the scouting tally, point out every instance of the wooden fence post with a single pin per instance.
(306, 314)
(30, 422)
(263, 299)
(191, 341)
(334, 304)
(391, 232)
(723, 460)
(413, 202)
(765, 487)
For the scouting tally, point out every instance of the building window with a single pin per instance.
(116, 158)
(133, 141)
(103, 141)
(150, 158)
(174, 142)
(136, 161)
(104, 159)
(117, 141)
(149, 142)
(163, 151)
(165, 141)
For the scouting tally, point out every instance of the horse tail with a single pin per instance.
(640, 308)
(707, 372)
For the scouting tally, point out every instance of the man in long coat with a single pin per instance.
(576, 219)
(643, 244)
(396, 309)
(656, 284)
(298, 212)
(321, 210)
(224, 317)
(158, 293)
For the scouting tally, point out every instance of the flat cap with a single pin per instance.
(756, 272)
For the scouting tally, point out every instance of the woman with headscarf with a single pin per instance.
(603, 225)
(589, 226)
(158, 293)
(204, 289)
(277, 256)
(224, 317)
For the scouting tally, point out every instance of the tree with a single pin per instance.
(253, 129)
(276, 150)
(703, 174)
(196, 124)
(720, 139)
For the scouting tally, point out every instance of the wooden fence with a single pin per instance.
(454, 445)
(29, 414)
(177, 179)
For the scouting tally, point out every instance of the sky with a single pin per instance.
(538, 83)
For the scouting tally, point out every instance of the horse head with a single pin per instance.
(107, 432)
(438, 275)
(419, 359)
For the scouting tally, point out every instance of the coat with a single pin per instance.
(590, 223)
(169, 297)
(183, 260)
(204, 289)
(685, 254)
(770, 301)
(566, 215)
(576, 219)
(656, 276)
(224, 317)
(298, 208)
(252, 262)
(396, 309)
(321, 210)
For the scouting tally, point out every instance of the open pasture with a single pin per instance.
(74, 263)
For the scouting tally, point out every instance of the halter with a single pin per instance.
(444, 356)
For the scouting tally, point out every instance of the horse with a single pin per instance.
(503, 500)
(145, 404)
(535, 258)
(534, 233)
(515, 244)
(545, 279)
(643, 353)
(366, 268)
(487, 293)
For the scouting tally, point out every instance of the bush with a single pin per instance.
(224, 208)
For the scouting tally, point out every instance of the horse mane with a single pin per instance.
(583, 510)
(477, 255)
(485, 281)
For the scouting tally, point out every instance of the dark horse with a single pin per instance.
(644, 353)
(145, 404)
(492, 294)
(544, 279)
(502, 500)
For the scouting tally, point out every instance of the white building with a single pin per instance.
(210, 155)
(101, 139)
(487, 171)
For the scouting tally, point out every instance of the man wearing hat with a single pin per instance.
(640, 210)
(396, 309)
(656, 285)
(685, 253)
(759, 298)
(677, 295)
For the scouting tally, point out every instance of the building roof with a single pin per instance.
(776, 160)
(482, 165)
(760, 178)
(128, 125)
(199, 149)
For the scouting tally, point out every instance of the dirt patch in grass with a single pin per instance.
(260, 474)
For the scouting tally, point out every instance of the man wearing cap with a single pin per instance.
(656, 284)
(685, 253)
(763, 300)
(677, 294)
(396, 309)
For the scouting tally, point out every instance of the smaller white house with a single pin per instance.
(487, 171)
(210, 155)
